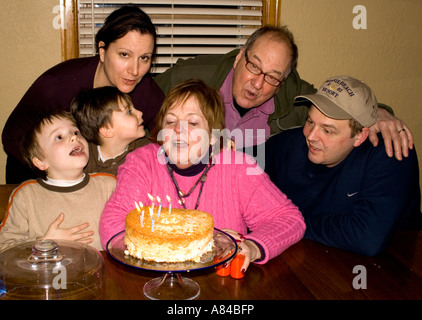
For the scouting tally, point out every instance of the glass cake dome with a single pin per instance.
(51, 270)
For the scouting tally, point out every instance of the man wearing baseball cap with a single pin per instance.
(351, 194)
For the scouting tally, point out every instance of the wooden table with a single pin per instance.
(305, 271)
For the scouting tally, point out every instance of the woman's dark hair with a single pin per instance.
(121, 21)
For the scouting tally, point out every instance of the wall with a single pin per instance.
(387, 55)
(29, 46)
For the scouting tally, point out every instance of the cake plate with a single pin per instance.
(172, 285)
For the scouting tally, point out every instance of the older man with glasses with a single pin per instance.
(258, 84)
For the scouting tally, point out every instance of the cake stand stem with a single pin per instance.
(171, 286)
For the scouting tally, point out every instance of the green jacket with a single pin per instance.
(213, 69)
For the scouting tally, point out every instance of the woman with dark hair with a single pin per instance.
(125, 46)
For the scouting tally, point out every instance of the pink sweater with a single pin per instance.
(237, 194)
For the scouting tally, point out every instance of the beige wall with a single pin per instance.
(387, 55)
(29, 46)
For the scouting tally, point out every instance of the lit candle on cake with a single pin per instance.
(141, 219)
(142, 214)
(152, 199)
(169, 200)
(159, 208)
(151, 213)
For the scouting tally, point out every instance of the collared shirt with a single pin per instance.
(101, 157)
(97, 163)
(253, 127)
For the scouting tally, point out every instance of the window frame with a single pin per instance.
(271, 15)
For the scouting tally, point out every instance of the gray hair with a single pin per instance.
(279, 34)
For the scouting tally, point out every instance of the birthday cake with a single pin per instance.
(176, 236)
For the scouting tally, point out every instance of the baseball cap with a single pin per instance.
(344, 97)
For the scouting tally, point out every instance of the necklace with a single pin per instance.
(201, 179)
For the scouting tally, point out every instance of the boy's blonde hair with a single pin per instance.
(30, 147)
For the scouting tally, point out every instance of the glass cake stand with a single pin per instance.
(171, 285)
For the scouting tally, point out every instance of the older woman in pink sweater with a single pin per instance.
(187, 164)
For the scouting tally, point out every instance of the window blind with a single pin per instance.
(185, 28)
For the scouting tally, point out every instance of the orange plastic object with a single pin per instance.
(223, 272)
(236, 266)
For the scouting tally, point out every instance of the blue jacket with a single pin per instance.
(356, 205)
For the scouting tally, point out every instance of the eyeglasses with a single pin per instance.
(254, 69)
